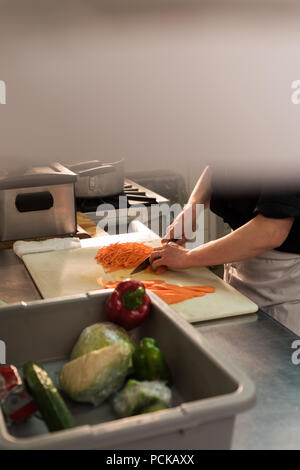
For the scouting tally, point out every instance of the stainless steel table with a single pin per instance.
(261, 348)
(15, 282)
(256, 344)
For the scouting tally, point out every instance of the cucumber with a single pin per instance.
(50, 403)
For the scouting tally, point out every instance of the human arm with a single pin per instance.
(257, 236)
(200, 195)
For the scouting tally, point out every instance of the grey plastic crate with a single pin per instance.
(208, 391)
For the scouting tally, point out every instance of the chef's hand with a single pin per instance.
(171, 255)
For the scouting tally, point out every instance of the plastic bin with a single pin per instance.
(208, 392)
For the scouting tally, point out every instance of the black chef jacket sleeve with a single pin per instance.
(279, 205)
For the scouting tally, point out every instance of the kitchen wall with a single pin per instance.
(164, 84)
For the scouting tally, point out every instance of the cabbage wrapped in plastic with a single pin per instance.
(142, 397)
(96, 375)
(98, 336)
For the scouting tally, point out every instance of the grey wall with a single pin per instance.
(163, 85)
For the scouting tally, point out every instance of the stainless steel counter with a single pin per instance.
(261, 348)
(15, 282)
(256, 344)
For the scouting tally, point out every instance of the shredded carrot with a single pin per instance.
(122, 255)
(170, 293)
(125, 255)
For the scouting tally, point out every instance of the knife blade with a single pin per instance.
(144, 264)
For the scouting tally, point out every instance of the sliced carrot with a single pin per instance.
(207, 289)
(155, 281)
(161, 287)
(170, 293)
(111, 284)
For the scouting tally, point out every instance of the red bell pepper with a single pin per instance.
(128, 305)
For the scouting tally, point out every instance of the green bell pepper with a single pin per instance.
(149, 362)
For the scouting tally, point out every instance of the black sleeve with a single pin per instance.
(279, 205)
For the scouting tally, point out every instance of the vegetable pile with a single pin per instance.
(106, 364)
(103, 358)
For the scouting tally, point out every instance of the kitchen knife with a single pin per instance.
(144, 264)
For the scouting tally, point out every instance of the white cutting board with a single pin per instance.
(68, 272)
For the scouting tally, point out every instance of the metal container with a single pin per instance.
(207, 393)
(40, 202)
(96, 179)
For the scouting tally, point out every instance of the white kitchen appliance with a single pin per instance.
(37, 202)
(97, 179)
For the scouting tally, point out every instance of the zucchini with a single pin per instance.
(50, 403)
